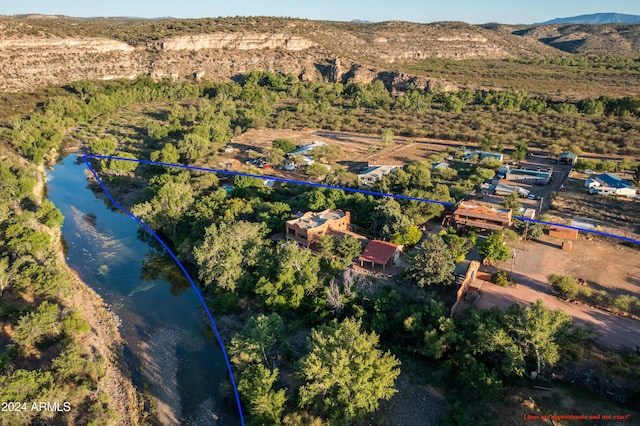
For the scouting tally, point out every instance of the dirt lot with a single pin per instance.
(618, 216)
(355, 148)
(605, 265)
(589, 259)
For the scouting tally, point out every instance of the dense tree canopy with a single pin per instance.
(227, 251)
(434, 264)
(345, 373)
(493, 248)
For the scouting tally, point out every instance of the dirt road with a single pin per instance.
(615, 332)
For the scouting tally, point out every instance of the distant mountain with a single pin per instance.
(596, 18)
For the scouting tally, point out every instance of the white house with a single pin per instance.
(468, 155)
(306, 149)
(374, 173)
(440, 166)
(609, 184)
(502, 189)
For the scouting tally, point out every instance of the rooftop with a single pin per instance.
(481, 207)
(540, 174)
(570, 155)
(307, 148)
(613, 181)
(379, 252)
(377, 170)
(312, 220)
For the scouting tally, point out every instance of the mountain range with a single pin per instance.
(596, 18)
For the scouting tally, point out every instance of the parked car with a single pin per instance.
(588, 172)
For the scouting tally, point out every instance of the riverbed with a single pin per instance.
(169, 347)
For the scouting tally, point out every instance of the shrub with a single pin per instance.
(566, 286)
(283, 144)
(502, 278)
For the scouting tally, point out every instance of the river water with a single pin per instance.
(169, 346)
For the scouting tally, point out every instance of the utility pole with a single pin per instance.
(526, 232)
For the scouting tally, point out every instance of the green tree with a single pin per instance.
(265, 404)
(316, 170)
(408, 237)
(387, 137)
(566, 286)
(512, 201)
(520, 153)
(38, 325)
(285, 145)
(192, 147)
(296, 274)
(493, 248)
(227, 251)
(326, 245)
(255, 342)
(345, 373)
(530, 333)
(167, 207)
(103, 146)
(49, 214)
(426, 329)
(487, 143)
(168, 154)
(434, 264)
(120, 167)
(458, 245)
(349, 248)
(388, 218)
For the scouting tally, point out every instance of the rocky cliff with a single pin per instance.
(39, 51)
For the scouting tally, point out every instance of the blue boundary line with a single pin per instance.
(297, 182)
(343, 188)
(591, 231)
(267, 177)
(150, 231)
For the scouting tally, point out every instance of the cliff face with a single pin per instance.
(233, 41)
(28, 63)
(37, 51)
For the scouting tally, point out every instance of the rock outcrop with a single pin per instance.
(39, 51)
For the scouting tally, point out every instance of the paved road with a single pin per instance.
(615, 332)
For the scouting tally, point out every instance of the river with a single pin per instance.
(169, 345)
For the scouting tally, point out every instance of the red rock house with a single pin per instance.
(306, 229)
(482, 217)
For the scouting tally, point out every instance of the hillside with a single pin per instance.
(611, 39)
(36, 50)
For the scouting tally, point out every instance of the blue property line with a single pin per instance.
(591, 231)
(267, 177)
(150, 231)
(344, 188)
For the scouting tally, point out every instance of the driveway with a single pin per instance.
(615, 332)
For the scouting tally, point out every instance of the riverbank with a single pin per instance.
(104, 340)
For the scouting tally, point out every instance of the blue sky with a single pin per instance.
(472, 11)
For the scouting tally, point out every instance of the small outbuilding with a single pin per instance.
(380, 253)
(563, 233)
